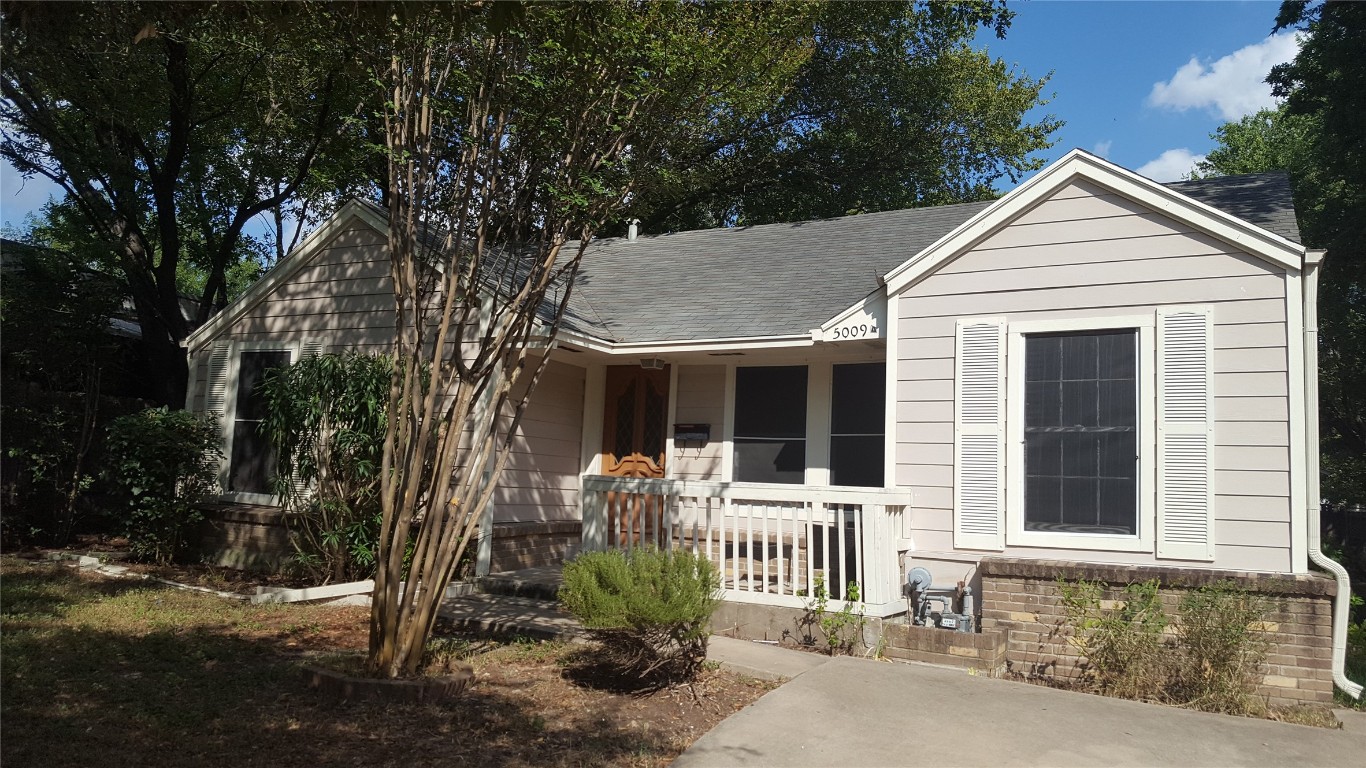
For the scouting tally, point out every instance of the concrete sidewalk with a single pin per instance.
(847, 711)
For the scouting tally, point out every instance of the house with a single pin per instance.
(1096, 374)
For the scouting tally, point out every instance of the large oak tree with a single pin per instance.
(170, 126)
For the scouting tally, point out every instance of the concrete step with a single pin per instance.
(537, 583)
(507, 615)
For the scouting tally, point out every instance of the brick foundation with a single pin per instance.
(1020, 599)
(533, 545)
(244, 536)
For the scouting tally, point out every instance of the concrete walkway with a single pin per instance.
(848, 711)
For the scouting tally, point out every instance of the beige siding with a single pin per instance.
(541, 479)
(700, 399)
(1087, 253)
(343, 297)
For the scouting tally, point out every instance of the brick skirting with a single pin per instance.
(1020, 599)
(533, 545)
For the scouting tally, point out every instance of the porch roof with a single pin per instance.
(785, 279)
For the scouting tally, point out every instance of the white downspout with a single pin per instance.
(1343, 600)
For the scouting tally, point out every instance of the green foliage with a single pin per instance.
(1322, 86)
(326, 417)
(160, 464)
(1268, 140)
(1211, 657)
(1123, 645)
(1223, 647)
(842, 629)
(648, 608)
(893, 109)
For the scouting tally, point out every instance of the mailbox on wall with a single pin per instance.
(699, 433)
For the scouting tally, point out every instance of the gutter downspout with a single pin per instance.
(1342, 602)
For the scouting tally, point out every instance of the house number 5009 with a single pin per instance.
(855, 331)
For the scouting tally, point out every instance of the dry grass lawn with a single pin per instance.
(107, 672)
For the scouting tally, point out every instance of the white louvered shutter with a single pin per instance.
(216, 387)
(979, 435)
(1185, 434)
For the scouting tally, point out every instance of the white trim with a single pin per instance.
(285, 269)
(868, 311)
(594, 397)
(634, 348)
(819, 380)
(1294, 329)
(728, 427)
(669, 457)
(1078, 164)
(1016, 535)
(889, 422)
(229, 426)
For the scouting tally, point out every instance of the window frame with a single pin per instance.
(228, 427)
(733, 401)
(1146, 416)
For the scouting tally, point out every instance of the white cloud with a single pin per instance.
(1172, 165)
(1232, 86)
(1102, 148)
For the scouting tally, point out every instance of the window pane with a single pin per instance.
(858, 399)
(252, 370)
(770, 401)
(770, 461)
(856, 460)
(253, 459)
(1081, 433)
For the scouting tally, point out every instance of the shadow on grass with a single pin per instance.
(75, 693)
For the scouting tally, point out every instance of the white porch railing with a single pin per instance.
(770, 542)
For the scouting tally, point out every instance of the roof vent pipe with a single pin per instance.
(633, 229)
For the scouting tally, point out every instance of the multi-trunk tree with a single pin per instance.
(513, 133)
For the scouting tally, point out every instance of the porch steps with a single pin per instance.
(514, 603)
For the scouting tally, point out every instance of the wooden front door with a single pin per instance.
(633, 439)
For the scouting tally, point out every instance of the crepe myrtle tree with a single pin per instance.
(512, 132)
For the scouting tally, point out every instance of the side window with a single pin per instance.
(770, 424)
(1081, 433)
(857, 424)
(253, 460)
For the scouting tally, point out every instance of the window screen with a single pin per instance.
(857, 407)
(1081, 433)
(253, 459)
(770, 424)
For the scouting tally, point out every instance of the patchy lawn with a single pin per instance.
(119, 672)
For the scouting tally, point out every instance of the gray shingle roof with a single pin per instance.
(782, 279)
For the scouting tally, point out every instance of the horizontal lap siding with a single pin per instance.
(700, 399)
(541, 478)
(1086, 253)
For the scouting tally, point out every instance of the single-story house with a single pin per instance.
(1095, 374)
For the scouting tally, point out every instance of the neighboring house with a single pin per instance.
(1093, 374)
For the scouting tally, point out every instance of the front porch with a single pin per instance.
(772, 543)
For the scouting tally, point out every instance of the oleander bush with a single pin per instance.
(648, 608)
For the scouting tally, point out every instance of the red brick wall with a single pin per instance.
(532, 545)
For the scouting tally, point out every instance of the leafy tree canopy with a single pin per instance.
(172, 125)
(893, 109)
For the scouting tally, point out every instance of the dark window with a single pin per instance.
(857, 426)
(770, 424)
(253, 460)
(1081, 433)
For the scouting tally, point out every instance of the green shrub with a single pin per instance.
(326, 417)
(160, 463)
(1126, 655)
(1223, 649)
(649, 609)
(843, 629)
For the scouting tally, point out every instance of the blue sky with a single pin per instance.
(1145, 83)
(1142, 83)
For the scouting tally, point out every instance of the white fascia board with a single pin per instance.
(1079, 164)
(624, 348)
(288, 266)
(871, 310)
